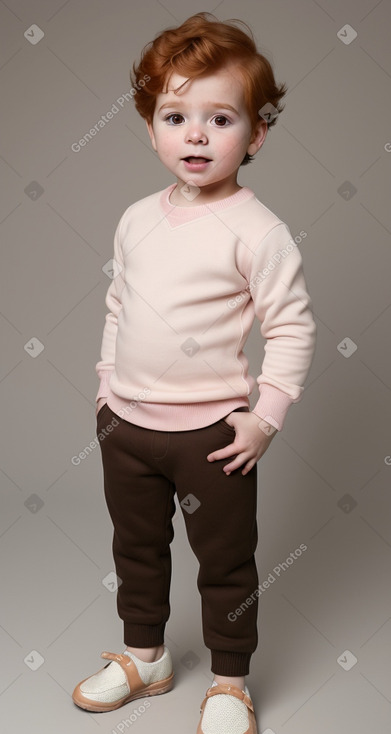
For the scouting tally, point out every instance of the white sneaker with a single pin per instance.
(227, 710)
(122, 680)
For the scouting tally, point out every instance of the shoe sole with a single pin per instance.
(154, 689)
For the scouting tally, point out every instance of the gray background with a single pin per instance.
(324, 482)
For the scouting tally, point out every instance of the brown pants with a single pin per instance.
(143, 468)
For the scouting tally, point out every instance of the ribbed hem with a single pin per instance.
(143, 635)
(104, 387)
(177, 215)
(173, 416)
(230, 663)
(273, 405)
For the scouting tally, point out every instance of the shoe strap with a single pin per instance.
(130, 669)
(231, 691)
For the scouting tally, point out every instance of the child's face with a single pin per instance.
(197, 122)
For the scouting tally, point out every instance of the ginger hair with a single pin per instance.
(203, 45)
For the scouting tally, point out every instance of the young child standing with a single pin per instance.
(193, 265)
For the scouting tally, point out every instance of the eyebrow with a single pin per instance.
(217, 105)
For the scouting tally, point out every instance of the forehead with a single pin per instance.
(223, 86)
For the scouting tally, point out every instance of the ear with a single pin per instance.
(151, 135)
(258, 137)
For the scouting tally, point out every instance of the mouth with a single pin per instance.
(196, 159)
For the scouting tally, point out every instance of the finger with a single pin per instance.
(221, 453)
(239, 462)
(236, 464)
(248, 467)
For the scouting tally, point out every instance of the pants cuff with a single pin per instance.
(143, 635)
(230, 663)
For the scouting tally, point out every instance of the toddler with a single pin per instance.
(194, 264)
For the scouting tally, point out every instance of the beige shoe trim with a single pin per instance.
(137, 687)
(132, 675)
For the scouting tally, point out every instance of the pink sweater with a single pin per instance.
(188, 284)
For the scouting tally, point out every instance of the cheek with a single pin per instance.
(165, 143)
(231, 148)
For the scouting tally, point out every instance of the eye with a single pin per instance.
(223, 118)
(173, 115)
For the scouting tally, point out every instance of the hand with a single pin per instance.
(250, 442)
(99, 404)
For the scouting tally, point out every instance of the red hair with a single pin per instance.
(199, 47)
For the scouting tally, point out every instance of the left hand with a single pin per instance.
(250, 442)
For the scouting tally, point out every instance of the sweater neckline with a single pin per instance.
(180, 214)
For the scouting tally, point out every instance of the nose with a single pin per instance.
(196, 135)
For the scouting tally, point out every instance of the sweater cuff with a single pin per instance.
(273, 405)
(104, 386)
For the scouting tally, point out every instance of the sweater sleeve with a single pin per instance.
(284, 309)
(105, 366)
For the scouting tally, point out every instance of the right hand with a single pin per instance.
(99, 404)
